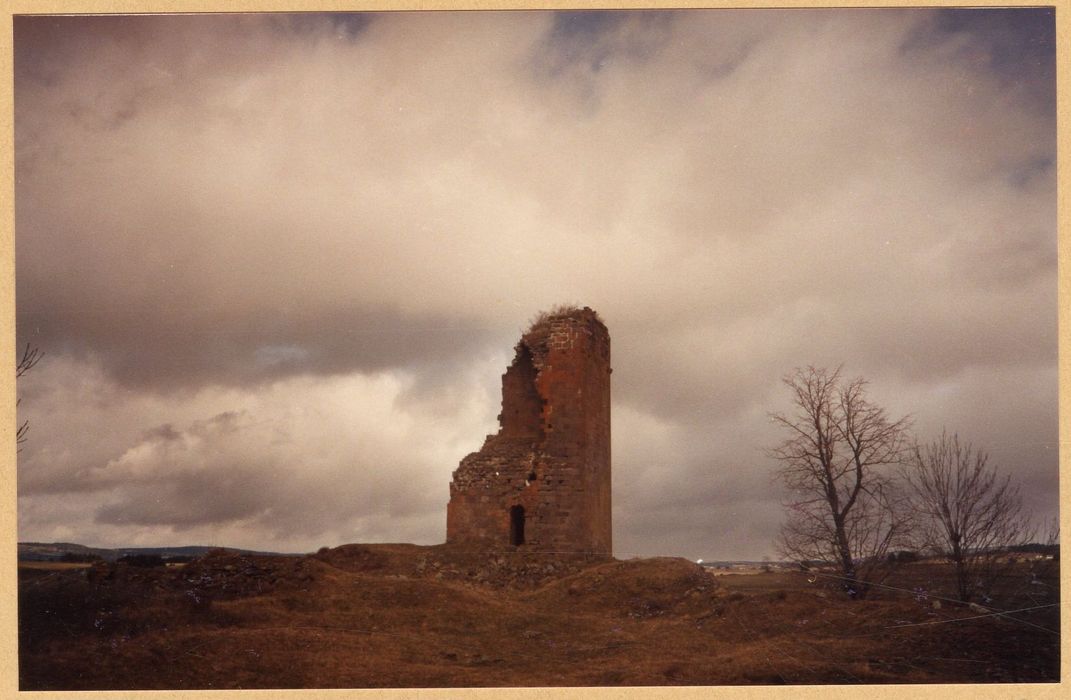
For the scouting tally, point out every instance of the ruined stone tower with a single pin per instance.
(543, 482)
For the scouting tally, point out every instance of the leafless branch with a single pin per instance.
(30, 357)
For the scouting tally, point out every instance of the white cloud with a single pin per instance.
(299, 461)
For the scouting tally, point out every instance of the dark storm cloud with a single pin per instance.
(159, 277)
(591, 38)
(141, 347)
(580, 45)
(1021, 43)
(333, 228)
(341, 25)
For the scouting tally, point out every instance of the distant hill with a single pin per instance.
(59, 551)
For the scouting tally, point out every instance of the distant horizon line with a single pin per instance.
(124, 548)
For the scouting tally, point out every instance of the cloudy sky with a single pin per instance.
(277, 263)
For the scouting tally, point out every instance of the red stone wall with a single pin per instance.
(551, 455)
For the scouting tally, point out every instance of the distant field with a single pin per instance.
(741, 570)
(54, 565)
(66, 565)
(407, 616)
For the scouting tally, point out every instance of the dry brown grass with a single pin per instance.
(408, 616)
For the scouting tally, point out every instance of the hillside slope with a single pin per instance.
(410, 616)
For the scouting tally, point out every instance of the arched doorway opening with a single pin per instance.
(516, 525)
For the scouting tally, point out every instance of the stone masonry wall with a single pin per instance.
(551, 455)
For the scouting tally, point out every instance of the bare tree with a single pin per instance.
(970, 513)
(30, 357)
(842, 506)
(1052, 537)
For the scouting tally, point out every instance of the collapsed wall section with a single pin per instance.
(543, 481)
